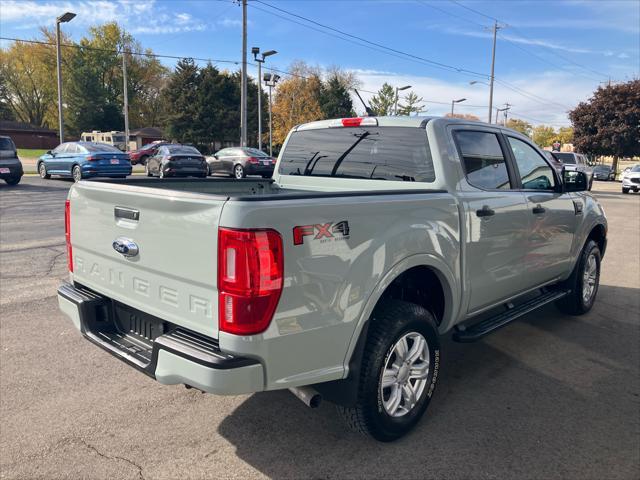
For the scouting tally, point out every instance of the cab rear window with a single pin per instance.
(374, 153)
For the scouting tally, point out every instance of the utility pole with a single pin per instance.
(125, 94)
(496, 27)
(507, 107)
(270, 81)
(395, 109)
(67, 17)
(243, 86)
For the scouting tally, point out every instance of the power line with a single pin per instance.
(379, 45)
(140, 54)
(524, 37)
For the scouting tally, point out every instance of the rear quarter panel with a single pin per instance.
(331, 284)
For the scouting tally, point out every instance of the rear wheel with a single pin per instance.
(583, 282)
(13, 180)
(238, 172)
(625, 190)
(42, 170)
(398, 373)
(76, 173)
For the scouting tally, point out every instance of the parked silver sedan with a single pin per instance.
(241, 161)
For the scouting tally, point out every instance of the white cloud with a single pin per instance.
(157, 18)
(561, 90)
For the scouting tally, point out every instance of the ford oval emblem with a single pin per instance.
(125, 246)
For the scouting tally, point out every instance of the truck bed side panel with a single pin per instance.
(330, 276)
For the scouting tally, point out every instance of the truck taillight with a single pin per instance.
(91, 158)
(67, 233)
(250, 277)
(253, 160)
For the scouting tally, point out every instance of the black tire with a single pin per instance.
(13, 180)
(391, 321)
(42, 170)
(625, 190)
(238, 172)
(76, 173)
(576, 302)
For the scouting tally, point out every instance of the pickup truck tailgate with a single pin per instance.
(173, 275)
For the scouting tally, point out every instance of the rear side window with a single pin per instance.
(483, 160)
(6, 144)
(376, 153)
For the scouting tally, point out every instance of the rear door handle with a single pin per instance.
(485, 211)
(538, 209)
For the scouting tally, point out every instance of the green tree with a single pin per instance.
(609, 123)
(335, 100)
(29, 81)
(412, 103)
(565, 135)
(520, 126)
(6, 113)
(543, 135)
(181, 96)
(383, 102)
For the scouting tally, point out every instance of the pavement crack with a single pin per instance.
(113, 457)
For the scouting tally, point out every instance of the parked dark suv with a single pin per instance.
(10, 165)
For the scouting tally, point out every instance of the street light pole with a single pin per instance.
(453, 102)
(125, 94)
(395, 109)
(67, 17)
(260, 61)
(243, 82)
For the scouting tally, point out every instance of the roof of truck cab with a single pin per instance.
(396, 121)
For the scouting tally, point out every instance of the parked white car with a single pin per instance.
(631, 179)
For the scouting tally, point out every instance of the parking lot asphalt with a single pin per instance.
(551, 396)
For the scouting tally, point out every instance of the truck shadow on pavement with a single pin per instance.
(546, 397)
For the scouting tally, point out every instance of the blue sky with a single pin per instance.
(550, 54)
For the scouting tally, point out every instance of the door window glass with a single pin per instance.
(535, 172)
(483, 160)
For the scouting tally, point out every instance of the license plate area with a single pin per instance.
(115, 161)
(4, 170)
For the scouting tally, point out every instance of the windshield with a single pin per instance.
(99, 147)
(565, 157)
(6, 144)
(602, 168)
(378, 153)
(636, 168)
(182, 150)
(118, 138)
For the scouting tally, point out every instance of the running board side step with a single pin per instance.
(485, 327)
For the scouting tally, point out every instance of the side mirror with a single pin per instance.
(574, 181)
(49, 152)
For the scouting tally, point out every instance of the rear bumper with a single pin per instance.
(176, 356)
(252, 169)
(14, 168)
(91, 171)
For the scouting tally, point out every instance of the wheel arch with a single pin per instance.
(403, 281)
(599, 235)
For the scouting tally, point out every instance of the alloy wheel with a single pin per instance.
(589, 278)
(405, 374)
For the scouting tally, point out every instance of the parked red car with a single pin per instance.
(149, 150)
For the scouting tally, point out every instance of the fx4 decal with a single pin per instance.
(321, 231)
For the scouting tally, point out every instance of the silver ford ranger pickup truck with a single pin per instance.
(335, 278)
